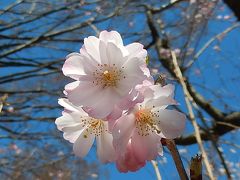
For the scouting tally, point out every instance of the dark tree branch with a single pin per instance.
(234, 5)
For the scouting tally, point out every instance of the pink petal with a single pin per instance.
(115, 114)
(73, 66)
(84, 94)
(130, 100)
(104, 104)
(128, 162)
(145, 147)
(122, 131)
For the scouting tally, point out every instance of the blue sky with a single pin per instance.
(214, 69)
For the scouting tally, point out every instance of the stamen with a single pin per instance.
(94, 126)
(107, 76)
(145, 122)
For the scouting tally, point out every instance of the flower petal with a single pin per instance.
(73, 66)
(145, 147)
(128, 162)
(69, 87)
(159, 91)
(71, 133)
(104, 104)
(115, 114)
(112, 36)
(84, 94)
(105, 150)
(115, 55)
(69, 106)
(133, 76)
(161, 102)
(136, 50)
(91, 45)
(122, 131)
(130, 100)
(70, 119)
(170, 122)
(83, 144)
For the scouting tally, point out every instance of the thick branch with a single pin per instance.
(234, 5)
(231, 122)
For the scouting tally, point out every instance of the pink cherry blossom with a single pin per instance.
(82, 130)
(147, 123)
(106, 73)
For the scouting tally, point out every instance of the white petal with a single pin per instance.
(170, 122)
(91, 45)
(161, 102)
(159, 91)
(71, 86)
(83, 144)
(103, 52)
(105, 150)
(65, 121)
(122, 132)
(70, 119)
(112, 36)
(115, 55)
(72, 124)
(67, 105)
(136, 50)
(72, 133)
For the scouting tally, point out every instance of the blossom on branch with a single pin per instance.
(114, 100)
(105, 71)
(82, 130)
(147, 123)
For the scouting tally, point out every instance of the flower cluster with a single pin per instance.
(114, 100)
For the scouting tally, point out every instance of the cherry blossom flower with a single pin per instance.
(106, 73)
(147, 123)
(80, 129)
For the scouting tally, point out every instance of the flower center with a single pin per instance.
(145, 122)
(94, 126)
(107, 76)
(110, 78)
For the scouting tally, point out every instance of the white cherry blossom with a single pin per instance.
(82, 130)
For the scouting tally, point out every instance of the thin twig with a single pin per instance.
(188, 98)
(209, 42)
(177, 159)
(155, 167)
